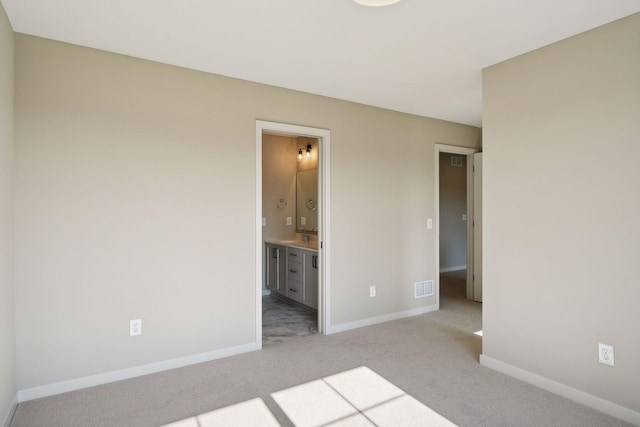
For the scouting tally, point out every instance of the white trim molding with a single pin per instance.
(137, 371)
(342, 327)
(563, 390)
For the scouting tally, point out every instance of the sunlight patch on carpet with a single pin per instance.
(354, 398)
(253, 412)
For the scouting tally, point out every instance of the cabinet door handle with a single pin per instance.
(292, 270)
(314, 261)
(275, 252)
(293, 290)
(290, 254)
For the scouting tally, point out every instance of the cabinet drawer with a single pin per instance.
(294, 255)
(294, 289)
(294, 271)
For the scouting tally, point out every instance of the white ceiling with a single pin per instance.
(418, 56)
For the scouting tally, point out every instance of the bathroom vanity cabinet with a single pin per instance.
(293, 272)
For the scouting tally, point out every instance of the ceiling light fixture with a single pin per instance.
(376, 3)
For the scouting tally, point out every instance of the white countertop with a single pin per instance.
(311, 246)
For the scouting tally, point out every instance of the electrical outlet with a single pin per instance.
(264, 221)
(605, 354)
(372, 291)
(135, 327)
(288, 220)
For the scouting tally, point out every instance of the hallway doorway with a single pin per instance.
(456, 249)
(453, 212)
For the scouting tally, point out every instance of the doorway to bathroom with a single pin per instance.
(291, 231)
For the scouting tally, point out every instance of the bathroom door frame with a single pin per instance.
(324, 140)
(468, 152)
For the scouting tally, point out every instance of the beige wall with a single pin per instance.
(453, 204)
(7, 337)
(135, 198)
(562, 211)
(279, 163)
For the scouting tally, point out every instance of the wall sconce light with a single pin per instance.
(308, 150)
(300, 154)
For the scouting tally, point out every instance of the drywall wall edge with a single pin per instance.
(137, 371)
(563, 390)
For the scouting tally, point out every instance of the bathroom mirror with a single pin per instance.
(307, 200)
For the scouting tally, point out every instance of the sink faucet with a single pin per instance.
(305, 237)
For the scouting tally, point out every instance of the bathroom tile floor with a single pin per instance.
(282, 320)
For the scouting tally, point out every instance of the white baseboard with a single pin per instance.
(380, 319)
(454, 268)
(11, 413)
(563, 390)
(137, 371)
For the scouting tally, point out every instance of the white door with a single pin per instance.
(477, 227)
